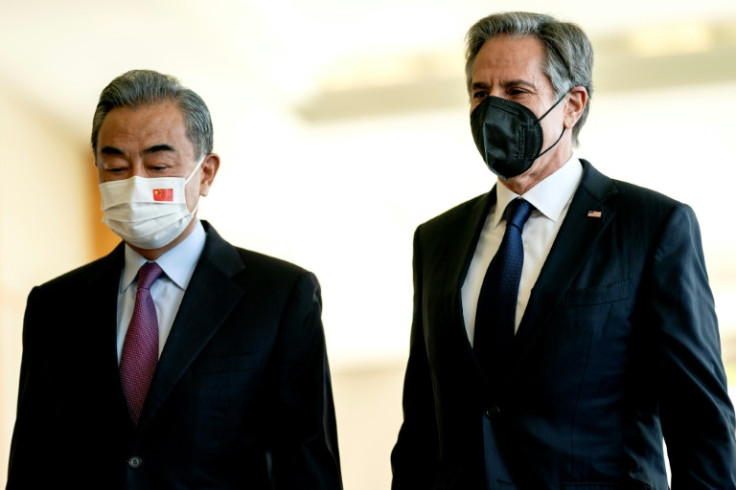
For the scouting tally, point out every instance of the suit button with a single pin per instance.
(493, 411)
(135, 462)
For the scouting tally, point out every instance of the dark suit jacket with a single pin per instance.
(241, 397)
(618, 346)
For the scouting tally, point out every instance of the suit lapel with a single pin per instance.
(100, 300)
(448, 270)
(100, 310)
(208, 300)
(570, 250)
(466, 239)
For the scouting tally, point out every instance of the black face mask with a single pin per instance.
(508, 135)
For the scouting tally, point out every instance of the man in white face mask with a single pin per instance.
(179, 360)
(146, 200)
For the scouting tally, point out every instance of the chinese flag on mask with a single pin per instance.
(163, 194)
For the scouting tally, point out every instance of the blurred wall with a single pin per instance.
(351, 221)
(45, 202)
(342, 197)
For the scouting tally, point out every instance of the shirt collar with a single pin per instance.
(178, 263)
(550, 196)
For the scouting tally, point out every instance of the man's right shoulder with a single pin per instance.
(457, 214)
(88, 273)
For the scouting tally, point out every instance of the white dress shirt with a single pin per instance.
(551, 198)
(167, 292)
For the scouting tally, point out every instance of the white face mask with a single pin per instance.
(148, 213)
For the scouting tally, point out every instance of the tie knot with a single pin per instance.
(147, 274)
(517, 212)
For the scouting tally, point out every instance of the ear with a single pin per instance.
(210, 166)
(575, 105)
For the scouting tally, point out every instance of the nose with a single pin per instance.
(498, 91)
(136, 165)
(137, 168)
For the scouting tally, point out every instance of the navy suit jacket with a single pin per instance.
(618, 348)
(241, 397)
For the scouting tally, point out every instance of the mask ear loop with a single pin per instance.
(553, 144)
(197, 166)
(563, 129)
(186, 181)
(554, 105)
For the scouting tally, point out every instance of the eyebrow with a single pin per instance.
(158, 148)
(110, 150)
(505, 84)
(162, 147)
(519, 81)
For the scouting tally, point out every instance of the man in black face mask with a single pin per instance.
(563, 323)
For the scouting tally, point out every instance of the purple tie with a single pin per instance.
(140, 349)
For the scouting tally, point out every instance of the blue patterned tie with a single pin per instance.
(496, 314)
(140, 349)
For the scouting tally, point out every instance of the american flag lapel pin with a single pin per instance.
(594, 214)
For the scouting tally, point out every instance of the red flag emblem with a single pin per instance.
(163, 194)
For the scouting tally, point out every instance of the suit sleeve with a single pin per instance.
(415, 457)
(30, 450)
(696, 413)
(304, 447)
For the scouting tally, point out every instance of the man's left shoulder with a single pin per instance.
(270, 264)
(639, 199)
(244, 263)
(644, 204)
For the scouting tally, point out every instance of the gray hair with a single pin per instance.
(568, 50)
(138, 88)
